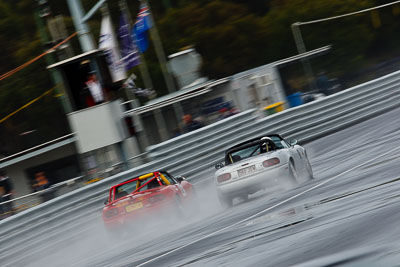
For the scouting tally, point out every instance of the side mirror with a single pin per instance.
(293, 142)
(219, 165)
(180, 179)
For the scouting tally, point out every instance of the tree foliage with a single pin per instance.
(20, 42)
(225, 34)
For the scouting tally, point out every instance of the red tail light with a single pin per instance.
(111, 212)
(271, 162)
(223, 177)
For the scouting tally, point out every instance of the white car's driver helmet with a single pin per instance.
(265, 147)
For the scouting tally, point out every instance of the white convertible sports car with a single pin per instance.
(266, 162)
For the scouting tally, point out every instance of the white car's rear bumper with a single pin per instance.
(270, 179)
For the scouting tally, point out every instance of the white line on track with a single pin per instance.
(267, 209)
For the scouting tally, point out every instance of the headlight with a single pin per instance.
(271, 162)
(111, 212)
(223, 177)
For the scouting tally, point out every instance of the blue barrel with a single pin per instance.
(295, 99)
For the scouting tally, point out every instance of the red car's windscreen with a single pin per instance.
(136, 185)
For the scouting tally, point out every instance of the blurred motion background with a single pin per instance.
(231, 36)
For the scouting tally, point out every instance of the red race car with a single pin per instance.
(155, 192)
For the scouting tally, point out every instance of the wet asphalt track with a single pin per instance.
(349, 215)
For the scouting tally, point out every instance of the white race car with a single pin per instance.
(266, 162)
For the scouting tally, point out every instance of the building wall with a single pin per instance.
(98, 126)
(150, 128)
(18, 171)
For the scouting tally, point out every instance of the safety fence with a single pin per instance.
(10, 207)
(305, 123)
(194, 154)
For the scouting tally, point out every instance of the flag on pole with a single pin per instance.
(129, 50)
(142, 25)
(131, 85)
(108, 43)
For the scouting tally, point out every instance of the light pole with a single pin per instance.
(85, 38)
(165, 68)
(42, 12)
(301, 48)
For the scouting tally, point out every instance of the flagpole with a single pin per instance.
(144, 71)
(164, 66)
(162, 128)
(160, 51)
(142, 138)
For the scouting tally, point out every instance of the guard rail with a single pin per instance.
(306, 122)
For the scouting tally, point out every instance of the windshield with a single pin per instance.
(129, 188)
(280, 143)
(142, 183)
(125, 189)
(245, 153)
(255, 148)
(151, 183)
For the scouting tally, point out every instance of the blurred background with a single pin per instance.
(231, 36)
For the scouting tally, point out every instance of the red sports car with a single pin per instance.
(155, 192)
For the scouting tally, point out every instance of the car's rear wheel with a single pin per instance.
(226, 201)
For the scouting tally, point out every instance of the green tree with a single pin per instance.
(229, 38)
(19, 43)
(349, 36)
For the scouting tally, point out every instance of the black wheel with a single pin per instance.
(293, 172)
